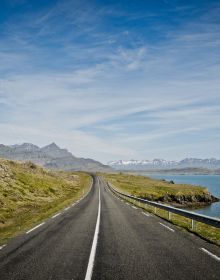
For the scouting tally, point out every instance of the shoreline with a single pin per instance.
(189, 201)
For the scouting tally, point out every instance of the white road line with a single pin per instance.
(94, 244)
(134, 207)
(73, 204)
(35, 227)
(145, 214)
(167, 227)
(67, 208)
(1, 247)
(127, 203)
(56, 215)
(210, 254)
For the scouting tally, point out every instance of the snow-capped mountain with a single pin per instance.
(164, 164)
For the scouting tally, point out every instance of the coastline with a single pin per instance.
(206, 201)
(187, 201)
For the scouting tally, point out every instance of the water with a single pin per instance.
(212, 182)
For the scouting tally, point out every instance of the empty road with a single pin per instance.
(102, 237)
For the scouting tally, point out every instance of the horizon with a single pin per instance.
(116, 160)
(112, 80)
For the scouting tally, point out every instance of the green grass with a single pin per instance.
(30, 194)
(150, 189)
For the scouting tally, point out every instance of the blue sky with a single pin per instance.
(112, 79)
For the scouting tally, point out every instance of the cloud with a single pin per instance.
(110, 93)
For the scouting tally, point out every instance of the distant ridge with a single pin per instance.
(51, 157)
(211, 163)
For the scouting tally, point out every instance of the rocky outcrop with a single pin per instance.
(185, 200)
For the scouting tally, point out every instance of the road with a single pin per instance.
(124, 244)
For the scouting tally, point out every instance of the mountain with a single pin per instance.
(211, 163)
(51, 157)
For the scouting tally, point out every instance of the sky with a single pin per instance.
(109, 80)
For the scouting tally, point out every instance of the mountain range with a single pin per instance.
(54, 157)
(51, 157)
(211, 163)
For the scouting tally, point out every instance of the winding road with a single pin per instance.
(104, 237)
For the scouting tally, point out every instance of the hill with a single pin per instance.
(51, 157)
(179, 195)
(29, 193)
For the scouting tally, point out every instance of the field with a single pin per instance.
(159, 190)
(30, 194)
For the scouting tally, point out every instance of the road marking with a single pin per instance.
(56, 215)
(210, 254)
(94, 244)
(67, 208)
(35, 227)
(127, 203)
(134, 207)
(1, 247)
(166, 227)
(145, 214)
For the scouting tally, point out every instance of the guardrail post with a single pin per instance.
(192, 224)
(169, 215)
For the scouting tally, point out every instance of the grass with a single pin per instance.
(144, 187)
(155, 190)
(30, 194)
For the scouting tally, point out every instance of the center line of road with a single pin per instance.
(94, 244)
(166, 227)
(210, 254)
(35, 227)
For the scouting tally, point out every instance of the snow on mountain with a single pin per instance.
(164, 164)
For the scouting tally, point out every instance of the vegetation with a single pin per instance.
(30, 194)
(160, 190)
(150, 189)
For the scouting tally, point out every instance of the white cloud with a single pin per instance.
(105, 99)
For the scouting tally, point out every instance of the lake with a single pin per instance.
(212, 182)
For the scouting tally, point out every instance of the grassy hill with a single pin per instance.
(29, 194)
(160, 190)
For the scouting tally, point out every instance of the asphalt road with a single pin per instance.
(124, 244)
